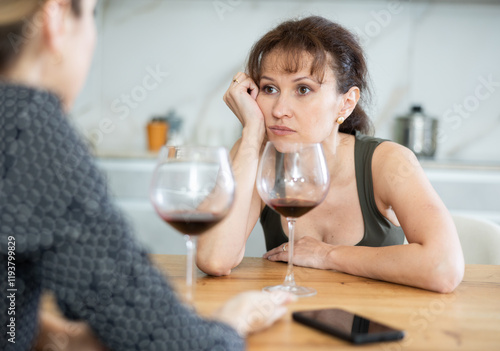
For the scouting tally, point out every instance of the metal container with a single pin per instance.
(417, 132)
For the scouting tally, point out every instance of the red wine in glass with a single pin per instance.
(288, 174)
(191, 223)
(192, 190)
(290, 207)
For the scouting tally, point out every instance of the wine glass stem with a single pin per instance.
(290, 279)
(190, 268)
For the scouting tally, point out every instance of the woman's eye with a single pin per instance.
(303, 90)
(269, 89)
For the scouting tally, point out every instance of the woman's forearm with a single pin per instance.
(223, 247)
(412, 264)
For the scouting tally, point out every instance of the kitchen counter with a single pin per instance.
(430, 163)
(460, 164)
(128, 155)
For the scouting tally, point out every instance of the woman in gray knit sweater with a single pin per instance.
(59, 230)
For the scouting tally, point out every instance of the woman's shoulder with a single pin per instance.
(384, 150)
(392, 153)
(394, 165)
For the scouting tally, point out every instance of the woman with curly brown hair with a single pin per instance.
(306, 81)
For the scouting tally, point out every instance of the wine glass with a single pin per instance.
(192, 190)
(292, 179)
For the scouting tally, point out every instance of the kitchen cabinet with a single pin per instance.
(466, 188)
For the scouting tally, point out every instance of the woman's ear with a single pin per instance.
(54, 25)
(350, 98)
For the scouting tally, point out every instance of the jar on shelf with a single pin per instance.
(157, 130)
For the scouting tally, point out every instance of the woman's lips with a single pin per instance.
(281, 130)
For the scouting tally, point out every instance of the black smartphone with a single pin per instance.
(347, 325)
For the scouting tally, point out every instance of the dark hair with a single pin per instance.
(330, 45)
(16, 15)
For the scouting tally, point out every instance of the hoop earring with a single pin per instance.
(340, 120)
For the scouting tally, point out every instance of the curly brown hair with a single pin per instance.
(330, 45)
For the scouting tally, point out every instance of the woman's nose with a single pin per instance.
(281, 107)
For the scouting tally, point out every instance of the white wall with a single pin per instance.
(435, 53)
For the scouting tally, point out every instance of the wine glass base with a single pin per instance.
(300, 291)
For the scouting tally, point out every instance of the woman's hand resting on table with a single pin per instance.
(307, 252)
(252, 311)
(57, 333)
(247, 313)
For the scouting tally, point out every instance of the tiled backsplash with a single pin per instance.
(154, 56)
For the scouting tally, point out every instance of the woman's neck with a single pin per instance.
(35, 73)
(339, 155)
(26, 72)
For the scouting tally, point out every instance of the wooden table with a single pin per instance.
(467, 319)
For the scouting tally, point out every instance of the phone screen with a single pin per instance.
(347, 325)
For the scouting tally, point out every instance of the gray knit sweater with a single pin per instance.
(60, 231)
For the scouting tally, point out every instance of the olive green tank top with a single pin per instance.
(378, 230)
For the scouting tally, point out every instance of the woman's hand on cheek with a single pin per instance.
(308, 252)
(241, 97)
